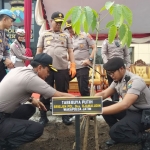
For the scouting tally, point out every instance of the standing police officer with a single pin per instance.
(124, 117)
(115, 50)
(6, 21)
(81, 45)
(58, 45)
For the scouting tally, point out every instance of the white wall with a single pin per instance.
(142, 51)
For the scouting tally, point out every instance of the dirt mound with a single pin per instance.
(58, 136)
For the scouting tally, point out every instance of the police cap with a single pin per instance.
(114, 64)
(68, 24)
(57, 16)
(8, 13)
(44, 59)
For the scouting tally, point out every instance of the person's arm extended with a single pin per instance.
(127, 101)
(61, 94)
(106, 93)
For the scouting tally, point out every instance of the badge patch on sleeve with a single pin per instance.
(129, 84)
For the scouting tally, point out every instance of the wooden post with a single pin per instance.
(96, 134)
(86, 133)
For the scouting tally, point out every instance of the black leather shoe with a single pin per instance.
(110, 142)
(43, 121)
(67, 120)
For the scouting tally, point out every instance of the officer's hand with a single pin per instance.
(8, 63)
(72, 71)
(86, 62)
(38, 104)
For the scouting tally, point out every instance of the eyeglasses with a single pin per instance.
(110, 73)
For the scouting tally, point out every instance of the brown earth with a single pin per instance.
(58, 136)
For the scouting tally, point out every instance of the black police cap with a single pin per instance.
(114, 64)
(44, 59)
(57, 16)
(68, 24)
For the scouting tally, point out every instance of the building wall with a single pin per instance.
(142, 51)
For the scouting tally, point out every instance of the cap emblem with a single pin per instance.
(60, 15)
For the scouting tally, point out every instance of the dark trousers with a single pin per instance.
(115, 96)
(126, 126)
(2, 70)
(83, 81)
(16, 129)
(61, 80)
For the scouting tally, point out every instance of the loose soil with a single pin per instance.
(58, 136)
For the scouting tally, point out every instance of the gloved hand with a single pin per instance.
(72, 71)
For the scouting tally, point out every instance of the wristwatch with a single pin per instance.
(90, 59)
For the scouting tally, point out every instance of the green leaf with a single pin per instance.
(112, 33)
(111, 10)
(95, 13)
(86, 27)
(127, 14)
(108, 5)
(76, 27)
(109, 24)
(82, 18)
(89, 15)
(94, 23)
(76, 12)
(129, 38)
(67, 15)
(125, 39)
(122, 31)
(103, 8)
(117, 12)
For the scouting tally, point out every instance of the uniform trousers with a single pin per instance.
(2, 70)
(83, 81)
(115, 96)
(61, 80)
(16, 129)
(126, 126)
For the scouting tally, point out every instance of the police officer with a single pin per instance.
(115, 50)
(81, 45)
(57, 44)
(6, 20)
(15, 128)
(18, 50)
(124, 117)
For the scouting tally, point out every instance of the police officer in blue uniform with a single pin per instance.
(7, 18)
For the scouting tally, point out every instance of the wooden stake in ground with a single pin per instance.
(86, 133)
(96, 134)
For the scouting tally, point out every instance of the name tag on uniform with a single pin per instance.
(49, 38)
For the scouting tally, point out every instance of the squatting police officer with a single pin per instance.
(124, 117)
